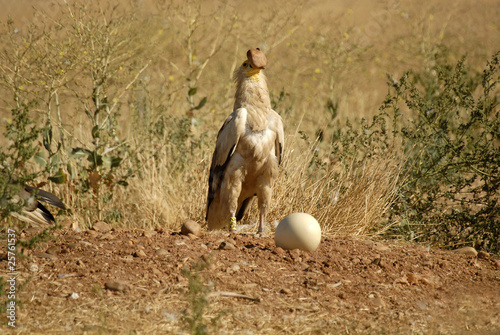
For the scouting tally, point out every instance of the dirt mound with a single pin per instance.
(131, 281)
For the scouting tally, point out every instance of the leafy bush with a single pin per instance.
(448, 133)
(452, 146)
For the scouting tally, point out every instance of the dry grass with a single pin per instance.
(318, 52)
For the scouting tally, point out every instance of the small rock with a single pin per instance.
(422, 305)
(295, 255)
(376, 260)
(161, 252)
(72, 245)
(140, 253)
(413, 278)
(54, 250)
(279, 252)
(34, 230)
(466, 251)
(92, 233)
(128, 258)
(427, 263)
(33, 267)
(380, 247)
(285, 291)
(87, 328)
(378, 302)
(75, 226)
(101, 226)
(226, 246)
(190, 227)
(74, 296)
(116, 285)
(107, 236)
(45, 255)
(233, 268)
(483, 255)
(149, 233)
(192, 236)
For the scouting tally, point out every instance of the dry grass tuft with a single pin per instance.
(165, 62)
(348, 200)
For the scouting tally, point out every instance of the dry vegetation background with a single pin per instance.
(130, 96)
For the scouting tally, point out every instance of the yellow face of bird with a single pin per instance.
(250, 71)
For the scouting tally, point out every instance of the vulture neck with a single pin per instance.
(253, 95)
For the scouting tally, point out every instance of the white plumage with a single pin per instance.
(248, 150)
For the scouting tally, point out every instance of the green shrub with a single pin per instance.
(448, 134)
(452, 145)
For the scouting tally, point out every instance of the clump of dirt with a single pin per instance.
(120, 281)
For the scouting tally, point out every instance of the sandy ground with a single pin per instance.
(131, 282)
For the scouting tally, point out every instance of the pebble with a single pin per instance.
(45, 255)
(92, 233)
(233, 268)
(116, 285)
(190, 227)
(279, 252)
(285, 291)
(380, 247)
(295, 255)
(33, 267)
(161, 252)
(34, 230)
(378, 302)
(140, 254)
(107, 236)
(226, 246)
(54, 250)
(149, 233)
(73, 245)
(483, 255)
(101, 226)
(74, 296)
(466, 251)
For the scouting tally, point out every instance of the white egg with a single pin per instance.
(298, 231)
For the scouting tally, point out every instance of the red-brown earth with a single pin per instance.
(131, 282)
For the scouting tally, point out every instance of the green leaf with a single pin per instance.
(115, 161)
(95, 159)
(89, 115)
(106, 161)
(192, 91)
(71, 170)
(54, 160)
(47, 138)
(40, 159)
(201, 104)
(79, 153)
(123, 183)
(95, 131)
(59, 177)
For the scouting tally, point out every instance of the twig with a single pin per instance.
(232, 294)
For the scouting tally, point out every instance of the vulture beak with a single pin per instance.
(256, 58)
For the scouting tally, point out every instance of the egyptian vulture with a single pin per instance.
(32, 210)
(248, 150)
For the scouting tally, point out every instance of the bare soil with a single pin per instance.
(130, 282)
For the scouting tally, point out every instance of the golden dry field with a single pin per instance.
(152, 53)
(144, 57)
(123, 101)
